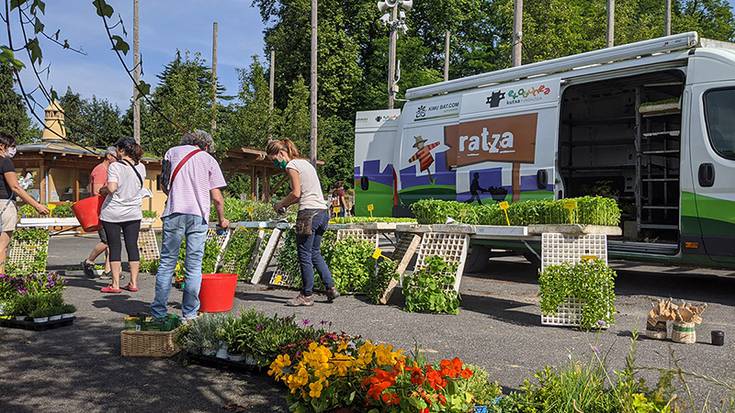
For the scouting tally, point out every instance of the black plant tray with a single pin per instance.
(30, 325)
(218, 363)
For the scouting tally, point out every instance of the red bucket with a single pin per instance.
(87, 212)
(217, 292)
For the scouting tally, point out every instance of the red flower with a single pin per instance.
(391, 399)
(417, 376)
(466, 373)
(425, 410)
(436, 381)
(442, 399)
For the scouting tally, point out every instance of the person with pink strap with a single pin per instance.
(193, 186)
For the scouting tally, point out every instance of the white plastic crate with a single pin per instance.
(367, 235)
(148, 245)
(23, 253)
(560, 248)
(451, 247)
(568, 314)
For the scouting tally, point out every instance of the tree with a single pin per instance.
(13, 117)
(94, 123)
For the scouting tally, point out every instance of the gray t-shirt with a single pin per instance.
(125, 203)
(311, 190)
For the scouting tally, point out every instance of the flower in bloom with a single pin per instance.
(391, 399)
(417, 376)
(466, 374)
(305, 322)
(435, 379)
(278, 364)
(442, 400)
(315, 389)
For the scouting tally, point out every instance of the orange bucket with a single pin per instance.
(87, 212)
(217, 293)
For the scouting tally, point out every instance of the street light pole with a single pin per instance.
(610, 23)
(314, 87)
(517, 32)
(136, 71)
(667, 19)
(392, 61)
(395, 20)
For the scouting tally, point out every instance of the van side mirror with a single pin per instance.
(364, 183)
(542, 178)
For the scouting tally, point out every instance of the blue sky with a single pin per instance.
(166, 25)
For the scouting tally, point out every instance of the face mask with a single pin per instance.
(11, 152)
(280, 164)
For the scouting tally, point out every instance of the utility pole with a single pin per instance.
(136, 71)
(517, 32)
(214, 77)
(610, 23)
(272, 82)
(446, 55)
(667, 19)
(314, 87)
(392, 62)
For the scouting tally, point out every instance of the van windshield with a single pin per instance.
(719, 106)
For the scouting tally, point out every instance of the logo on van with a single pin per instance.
(518, 96)
(506, 139)
(494, 99)
(421, 112)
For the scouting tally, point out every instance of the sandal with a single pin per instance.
(110, 290)
(130, 288)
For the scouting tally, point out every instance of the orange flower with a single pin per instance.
(391, 399)
(436, 381)
(417, 376)
(442, 400)
(425, 410)
(466, 373)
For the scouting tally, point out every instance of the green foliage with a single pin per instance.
(288, 257)
(149, 267)
(377, 284)
(33, 239)
(362, 220)
(201, 335)
(27, 211)
(352, 264)
(590, 211)
(37, 304)
(591, 282)
(14, 120)
(237, 210)
(239, 252)
(63, 210)
(479, 385)
(211, 251)
(431, 288)
(150, 214)
(93, 122)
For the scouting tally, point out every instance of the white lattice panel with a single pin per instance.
(568, 314)
(451, 247)
(23, 253)
(372, 236)
(560, 248)
(148, 245)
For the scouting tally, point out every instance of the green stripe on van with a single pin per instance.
(715, 216)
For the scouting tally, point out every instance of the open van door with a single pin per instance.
(712, 151)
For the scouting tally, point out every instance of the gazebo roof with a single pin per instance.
(64, 148)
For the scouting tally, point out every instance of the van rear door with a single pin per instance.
(712, 154)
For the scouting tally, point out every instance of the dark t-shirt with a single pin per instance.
(6, 165)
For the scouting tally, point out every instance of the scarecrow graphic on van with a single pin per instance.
(423, 155)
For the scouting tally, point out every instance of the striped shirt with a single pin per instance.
(424, 156)
(189, 193)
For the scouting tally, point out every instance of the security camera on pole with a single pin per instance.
(395, 19)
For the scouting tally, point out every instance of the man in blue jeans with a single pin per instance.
(194, 184)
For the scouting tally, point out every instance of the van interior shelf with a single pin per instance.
(672, 133)
(592, 122)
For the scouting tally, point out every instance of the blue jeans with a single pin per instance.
(309, 249)
(177, 227)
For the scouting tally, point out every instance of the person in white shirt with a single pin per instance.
(312, 219)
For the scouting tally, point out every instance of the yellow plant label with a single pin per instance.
(277, 280)
(504, 205)
(370, 207)
(377, 253)
(588, 257)
(336, 210)
(570, 204)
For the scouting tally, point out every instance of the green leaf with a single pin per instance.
(40, 5)
(16, 3)
(144, 89)
(38, 26)
(120, 45)
(54, 94)
(103, 9)
(35, 49)
(7, 56)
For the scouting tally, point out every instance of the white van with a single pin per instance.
(651, 124)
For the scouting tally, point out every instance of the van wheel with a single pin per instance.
(533, 259)
(478, 259)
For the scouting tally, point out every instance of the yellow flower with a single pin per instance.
(276, 368)
(342, 346)
(315, 389)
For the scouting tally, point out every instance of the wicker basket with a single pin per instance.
(148, 343)
(684, 333)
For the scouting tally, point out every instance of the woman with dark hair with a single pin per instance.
(311, 221)
(9, 188)
(121, 211)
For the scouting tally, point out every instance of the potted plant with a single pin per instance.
(56, 313)
(68, 311)
(99, 270)
(40, 314)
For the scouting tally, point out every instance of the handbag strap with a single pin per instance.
(140, 178)
(180, 165)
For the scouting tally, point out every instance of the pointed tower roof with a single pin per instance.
(54, 120)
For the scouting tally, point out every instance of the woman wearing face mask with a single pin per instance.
(9, 188)
(312, 219)
(121, 211)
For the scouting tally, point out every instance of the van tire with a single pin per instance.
(478, 259)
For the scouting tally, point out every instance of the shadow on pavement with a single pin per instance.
(81, 366)
(500, 309)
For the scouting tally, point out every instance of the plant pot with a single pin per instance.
(55, 317)
(20, 318)
(67, 315)
(684, 333)
(222, 352)
(235, 357)
(656, 331)
(250, 360)
(39, 320)
(210, 352)
(99, 273)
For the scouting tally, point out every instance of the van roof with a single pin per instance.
(609, 55)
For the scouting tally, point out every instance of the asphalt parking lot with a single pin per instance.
(498, 328)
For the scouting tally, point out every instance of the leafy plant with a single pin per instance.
(482, 389)
(27, 211)
(149, 266)
(431, 288)
(35, 241)
(68, 309)
(150, 214)
(376, 285)
(201, 335)
(239, 252)
(591, 282)
(63, 210)
(352, 264)
(361, 220)
(35, 303)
